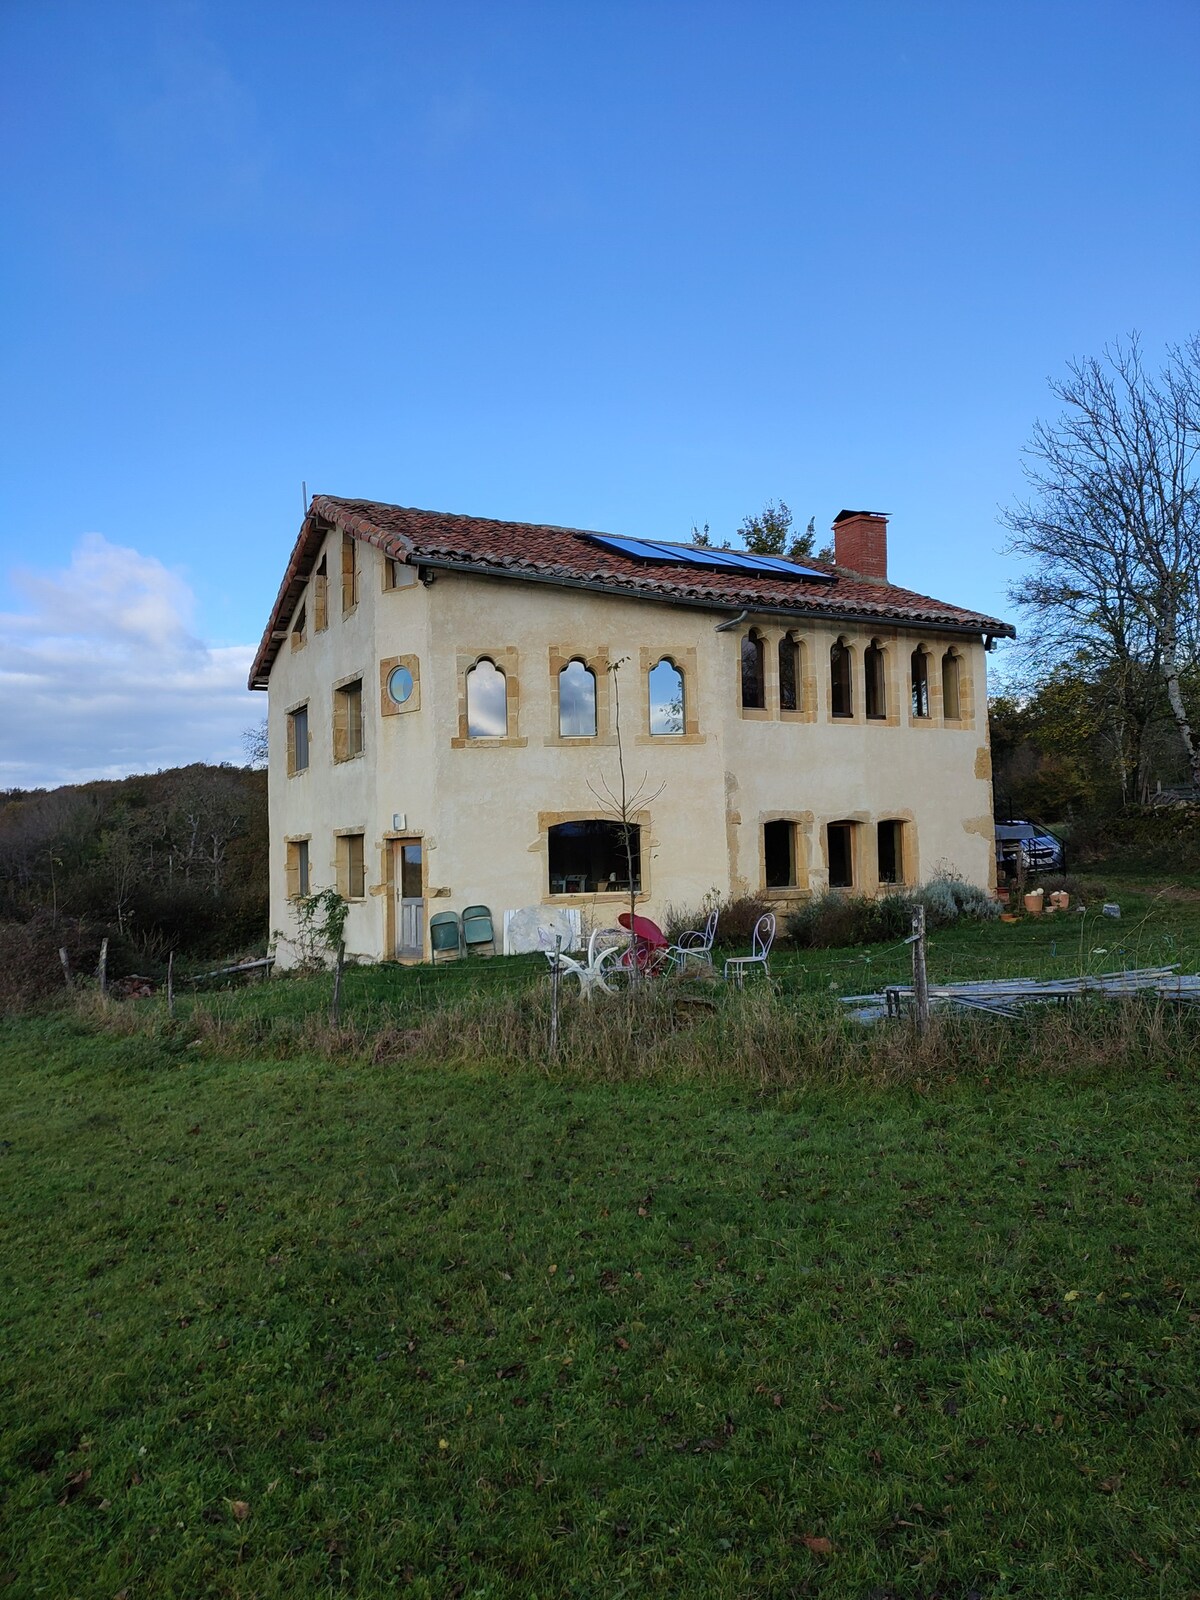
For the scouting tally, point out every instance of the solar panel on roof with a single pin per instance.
(697, 556)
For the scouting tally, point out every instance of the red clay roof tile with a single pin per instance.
(542, 553)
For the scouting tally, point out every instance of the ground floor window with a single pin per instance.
(891, 852)
(779, 854)
(351, 866)
(297, 869)
(841, 855)
(592, 856)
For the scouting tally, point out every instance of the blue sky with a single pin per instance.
(622, 266)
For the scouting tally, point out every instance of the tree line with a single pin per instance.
(167, 860)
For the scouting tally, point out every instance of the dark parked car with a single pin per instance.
(1017, 838)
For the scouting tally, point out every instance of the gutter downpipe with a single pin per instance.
(734, 622)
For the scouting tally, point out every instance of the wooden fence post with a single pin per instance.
(102, 969)
(335, 1009)
(920, 977)
(171, 984)
(555, 975)
(66, 963)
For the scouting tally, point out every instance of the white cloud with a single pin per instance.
(102, 674)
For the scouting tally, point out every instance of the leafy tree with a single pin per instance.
(770, 533)
(1112, 528)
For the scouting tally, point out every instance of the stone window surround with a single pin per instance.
(387, 706)
(294, 771)
(341, 875)
(684, 660)
(505, 658)
(802, 830)
(339, 729)
(596, 659)
(541, 847)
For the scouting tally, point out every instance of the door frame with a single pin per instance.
(393, 875)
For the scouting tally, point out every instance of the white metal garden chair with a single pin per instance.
(594, 972)
(695, 945)
(760, 951)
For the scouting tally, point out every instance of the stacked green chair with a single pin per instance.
(478, 931)
(445, 939)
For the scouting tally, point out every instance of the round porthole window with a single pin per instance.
(400, 684)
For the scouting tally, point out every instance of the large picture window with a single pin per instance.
(591, 857)
(666, 698)
(487, 701)
(577, 701)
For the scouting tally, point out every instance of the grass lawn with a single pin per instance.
(295, 1328)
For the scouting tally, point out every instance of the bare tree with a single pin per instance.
(623, 805)
(1113, 530)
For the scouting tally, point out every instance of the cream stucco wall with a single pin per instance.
(481, 808)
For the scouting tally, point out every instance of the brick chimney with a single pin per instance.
(860, 543)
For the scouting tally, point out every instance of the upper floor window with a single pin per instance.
(841, 693)
(754, 687)
(487, 701)
(321, 597)
(349, 572)
(299, 628)
(951, 687)
(348, 721)
(789, 673)
(297, 740)
(920, 683)
(666, 697)
(874, 683)
(577, 701)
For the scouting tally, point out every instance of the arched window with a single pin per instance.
(577, 701)
(487, 701)
(920, 683)
(789, 673)
(951, 698)
(874, 683)
(666, 698)
(754, 687)
(841, 694)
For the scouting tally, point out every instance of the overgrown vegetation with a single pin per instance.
(834, 919)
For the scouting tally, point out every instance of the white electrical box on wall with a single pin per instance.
(399, 821)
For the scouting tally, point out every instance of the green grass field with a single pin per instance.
(308, 1326)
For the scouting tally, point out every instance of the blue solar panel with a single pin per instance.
(697, 556)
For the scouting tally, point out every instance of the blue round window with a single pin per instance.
(400, 684)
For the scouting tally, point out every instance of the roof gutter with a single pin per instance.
(622, 592)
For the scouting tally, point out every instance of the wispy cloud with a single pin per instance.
(103, 675)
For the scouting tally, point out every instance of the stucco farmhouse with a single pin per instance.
(443, 722)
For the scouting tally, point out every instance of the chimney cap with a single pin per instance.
(842, 515)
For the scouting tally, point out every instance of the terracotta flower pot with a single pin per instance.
(1033, 902)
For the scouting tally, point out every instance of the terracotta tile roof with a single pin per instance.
(542, 553)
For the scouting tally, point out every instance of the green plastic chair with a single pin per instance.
(445, 942)
(477, 929)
